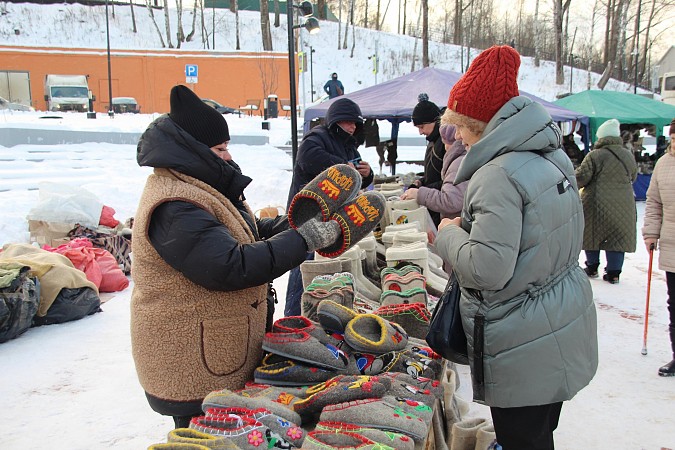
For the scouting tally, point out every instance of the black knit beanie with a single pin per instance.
(201, 121)
(425, 111)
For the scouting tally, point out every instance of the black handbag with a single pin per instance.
(446, 333)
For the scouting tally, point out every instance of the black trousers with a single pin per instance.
(670, 282)
(526, 427)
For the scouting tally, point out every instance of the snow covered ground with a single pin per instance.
(73, 386)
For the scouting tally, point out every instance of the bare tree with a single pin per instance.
(339, 24)
(425, 33)
(189, 37)
(537, 34)
(350, 12)
(167, 24)
(321, 9)
(133, 16)
(154, 22)
(559, 9)
(265, 30)
(277, 14)
(180, 36)
(236, 23)
(269, 75)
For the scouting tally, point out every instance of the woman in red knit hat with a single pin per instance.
(527, 307)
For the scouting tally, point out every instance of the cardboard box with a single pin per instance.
(45, 232)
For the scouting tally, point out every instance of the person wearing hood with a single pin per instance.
(448, 200)
(526, 305)
(202, 262)
(334, 87)
(334, 142)
(607, 174)
(426, 117)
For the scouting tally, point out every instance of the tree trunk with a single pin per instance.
(154, 22)
(377, 17)
(277, 14)
(425, 33)
(558, 13)
(349, 16)
(133, 16)
(537, 33)
(236, 23)
(339, 24)
(321, 13)
(180, 34)
(167, 23)
(189, 37)
(265, 26)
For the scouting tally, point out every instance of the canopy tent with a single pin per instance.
(395, 99)
(627, 108)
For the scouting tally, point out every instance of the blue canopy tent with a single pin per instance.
(395, 99)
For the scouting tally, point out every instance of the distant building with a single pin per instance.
(665, 65)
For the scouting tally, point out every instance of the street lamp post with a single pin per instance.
(111, 112)
(311, 70)
(312, 25)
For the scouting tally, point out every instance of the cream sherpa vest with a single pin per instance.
(187, 340)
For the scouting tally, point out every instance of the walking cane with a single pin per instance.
(649, 286)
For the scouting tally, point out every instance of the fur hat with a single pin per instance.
(425, 111)
(609, 128)
(447, 132)
(672, 127)
(201, 121)
(490, 82)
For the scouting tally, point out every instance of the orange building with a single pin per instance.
(230, 78)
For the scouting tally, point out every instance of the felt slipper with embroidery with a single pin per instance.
(357, 218)
(412, 295)
(324, 195)
(305, 348)
(373, 334)
(343, 440)
(184, 436)
(288, 431)
(336, 390)
(396, 440)
(274, 399)
(276, 370)
(414, 317)
(334, 316)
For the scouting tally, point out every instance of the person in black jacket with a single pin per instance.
(202, 262)
(334, 142)
(426, 117)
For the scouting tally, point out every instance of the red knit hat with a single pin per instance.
(490, 82)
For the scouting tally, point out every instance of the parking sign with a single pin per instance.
(191, 73)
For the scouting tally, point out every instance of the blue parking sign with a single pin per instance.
(191, 70)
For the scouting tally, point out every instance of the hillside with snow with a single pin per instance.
(79, 26)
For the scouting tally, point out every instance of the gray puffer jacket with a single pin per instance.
(527, 307)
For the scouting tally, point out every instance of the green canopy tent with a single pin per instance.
(627, 108)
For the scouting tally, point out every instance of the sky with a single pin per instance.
(73, 386)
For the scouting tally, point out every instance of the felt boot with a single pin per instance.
(464, 433)
(669, 369)
(612, 276)
(486, 437)
(591, 270)
(312, 268)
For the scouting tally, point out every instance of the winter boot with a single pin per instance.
(591, 270)
(669, 369)
(612, 276)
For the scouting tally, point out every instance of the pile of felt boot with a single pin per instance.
(342, 342)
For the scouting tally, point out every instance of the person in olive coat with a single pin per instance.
(606, 175)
